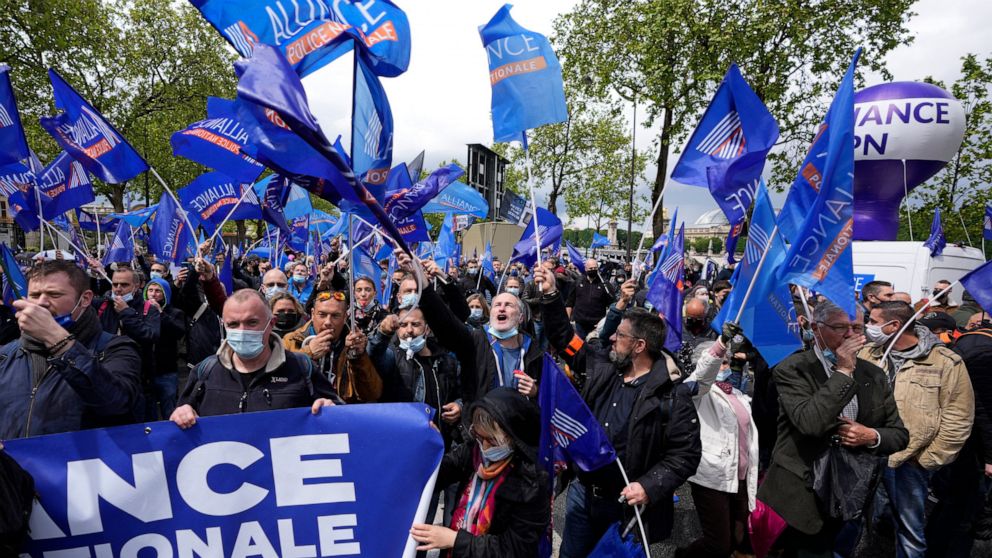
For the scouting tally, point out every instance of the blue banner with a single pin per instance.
(371, 131)
(280, 483)
(67, 184)
(170, 239)
(212, 197)
(525, 76)
(769, 319)
(937, 241)
(83, 132)
(13, 145)
(459, 198)
(978, 283)
(217, 142)
(820, 253)
(17, 183)
(727, 151)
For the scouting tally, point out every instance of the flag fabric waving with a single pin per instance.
(17, 182)
(121, 247)
(665, 292)
(15, 285)
(575, 257)
(598, 241)
(461, 199)
(67, 184)
(217, 142)
(170, 239)
(445, 252)
(212, 197)
(937, 240)
(727, 151)
(405, 201)
(88, 138)
(820, 253)
(987, 223)
(525, 76)
(135, 218)
(978, 283)
(13, 145)
(271, 193)
(551, 229)
(371, 131)
(769, 318)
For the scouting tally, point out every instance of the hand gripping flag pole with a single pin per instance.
(533, 198)
(637, 514)
(72, 244)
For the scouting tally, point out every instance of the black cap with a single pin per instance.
(938, 320)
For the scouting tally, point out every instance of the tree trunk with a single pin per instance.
(559, 177)
(242, 231)
(658, 224)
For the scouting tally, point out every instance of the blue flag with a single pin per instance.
(66, 183)
(987, 223)
(820, 256)
(271, 192)
(769, 318)
(371, 130)
(575, 257)
(487, 264)
(365, 266)
(321, 221)
(978, 283)
(525, 76)
(551, 229)
(17, 182)
(217, 142)
(273, 97)
(727, 151)
(15, 286)
(665, 292)
(13, 145)
(121, 247)
(225, 275)
(387, 291)
(937, 240)
(404, 199)
(598, 241)
(297, 202)
(461, 199)
(446, 250)
(170, 239)
(88, 138)
(301, 233)
(88, 222)
(135, 218)
(212, 197)
(399, 200)
(710, 271)
(316, 33)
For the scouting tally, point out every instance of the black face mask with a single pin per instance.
(695, 324)
(592, 274)
(287, 320)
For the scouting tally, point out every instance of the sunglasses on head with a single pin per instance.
(328, 295)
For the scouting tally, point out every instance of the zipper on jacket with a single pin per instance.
(34, 392)
(243, 404)
(268, 396)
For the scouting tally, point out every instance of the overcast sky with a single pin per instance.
(442, 102)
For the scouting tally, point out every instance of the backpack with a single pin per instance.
(16, 499)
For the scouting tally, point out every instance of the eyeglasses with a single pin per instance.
(121, 285)
(843, 328)
(280, 285)
(620, 334)
(480, 439)
(328, 295)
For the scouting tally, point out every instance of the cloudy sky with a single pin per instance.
(442, 102)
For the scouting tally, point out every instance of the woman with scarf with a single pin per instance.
(368, 312)
(504, 506)
(162, 388)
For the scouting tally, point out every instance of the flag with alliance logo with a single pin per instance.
(665, 292)
(121, 248)
(727, 151)
(937, 240)
(13, 145)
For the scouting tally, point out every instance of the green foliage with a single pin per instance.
(147, 65)
(670, 55)
(701, 245)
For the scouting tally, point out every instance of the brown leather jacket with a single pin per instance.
(355, 379)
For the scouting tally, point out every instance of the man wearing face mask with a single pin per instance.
(472, 283)
(589, 299)
(65, 373)
(274, 282)
(126, 312)
(649, 418)
(300, 284)
(874, 293)
(251, 371)
(338, 353)
(498, 355)
(827, 395)
(936, 402)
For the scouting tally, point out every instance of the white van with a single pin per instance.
(909, 267)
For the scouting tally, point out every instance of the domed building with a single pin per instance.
(709, 224)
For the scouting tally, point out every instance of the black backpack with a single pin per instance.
(16, 498)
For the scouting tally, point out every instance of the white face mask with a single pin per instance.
(875, 335)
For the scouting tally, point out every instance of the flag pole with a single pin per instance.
(351, 270)
(637, 512)
(71, 243)
(231, 212)
(644, 230)
(41, 228)
(754, 276)
(183, 212)
(99, 238)
(966, 234)
(918, 313)
(905, 200)
(533, 197)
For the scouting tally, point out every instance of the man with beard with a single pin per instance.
(649, 418)
(64, 373)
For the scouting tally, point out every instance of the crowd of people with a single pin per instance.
(903, 402)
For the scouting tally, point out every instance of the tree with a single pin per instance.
(147, 65)
(961, 189)
(668, 56)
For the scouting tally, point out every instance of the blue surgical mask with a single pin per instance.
(413, 345)
(155, 275)
(473, 271)
(408, 300)
(830, 356)
(66, 320)
(515, 291)
(723, 375)
(246, 343)
(496, 453)
(808, 335)
(128, 297)
(514, 273)
(299, 279)
(503, 334)
(475, 313)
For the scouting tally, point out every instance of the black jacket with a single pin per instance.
(975, 349)
(203, 331)
(589, 301)
(522, 503)
(468, 283)
(214, 387)
(173, 330)
(139, 321)
(472, 347)
(663, 446)
(810, 403)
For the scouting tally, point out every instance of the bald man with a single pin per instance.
(696, 327)
(251, 371)
(902, 297)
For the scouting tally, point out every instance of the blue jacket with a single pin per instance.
(90, 385)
